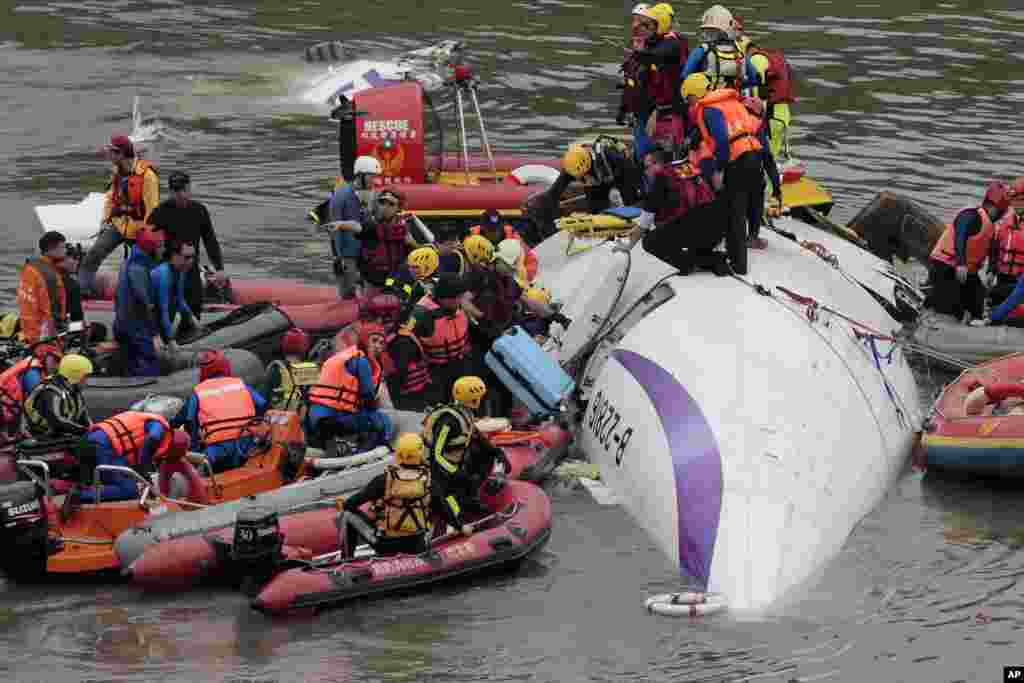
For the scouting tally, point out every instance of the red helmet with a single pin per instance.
(213, 364)
(295, 343)
(150, 239)
(368, 330)
(180, 443)
(998, 195)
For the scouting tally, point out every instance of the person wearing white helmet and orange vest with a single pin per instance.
(956, 259)
(719, 56)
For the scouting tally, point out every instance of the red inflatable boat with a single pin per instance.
(520, 524)
(197, 558)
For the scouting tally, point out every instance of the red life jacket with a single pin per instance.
(686, 193)
(779, 85)
(127, 434)
(417, 375)
(136, 184)
(387, 253)
(1010, 245)
(500, 308)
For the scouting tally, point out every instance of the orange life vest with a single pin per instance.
(225, 408)
(417, 375)
(741, 125)
(450, 340)
(12, 394)
(1009, 240)
(338, 388)
(127, 434)
(977, 246)
(136, 185)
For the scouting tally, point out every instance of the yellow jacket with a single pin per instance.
(143, 196)
(42, 302)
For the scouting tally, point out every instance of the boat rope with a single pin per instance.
(872, 342)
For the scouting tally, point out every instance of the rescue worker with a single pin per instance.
(345, 398)
(609, 175)
(18, 381)
(348, 213)
(385, 241)
(730, 155)
(405, 367)
(218, 412)
(535, 324)
(171, 292)
(719, 56)
(185, 220)
(492, 228)
(136, 326)
(130, 439)
(289, 379)
(444, 333)
(956, 288)
(652, 70)
(451, 258)
(41, 296)
(1006, 258)
(400, 500)
(56, 406)
(771, 174)
(416, 280)
(682, 220)
(776, 87)
(493, 293)
(460, 457)
(133, 196)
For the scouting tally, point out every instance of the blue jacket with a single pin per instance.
(967, 224)
(169, 286)
(345, 206)
(119, 486)
(30, 379)
(1016, 298)
(135, 301)
(188, 415)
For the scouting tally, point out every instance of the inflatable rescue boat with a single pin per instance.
(746, 422)
(46, 533)
(519, 525)
(952, 343)
(976, 425)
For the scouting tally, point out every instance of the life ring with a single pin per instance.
(685, 604)
(533, 173)
(197, 492)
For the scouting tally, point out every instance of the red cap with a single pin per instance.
(213, 364)
(367, 330)
(122, 144)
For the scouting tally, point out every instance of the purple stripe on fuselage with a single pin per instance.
(696, 462)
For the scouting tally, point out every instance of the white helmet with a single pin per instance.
(509, 251)
(367, 165)
(640, 8)
(717, 17)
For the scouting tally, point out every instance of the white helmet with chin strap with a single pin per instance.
(366, 165)
(717, 17)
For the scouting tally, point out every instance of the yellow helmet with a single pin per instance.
(577, 161)
(663, 14)
(409, 450)
(423, 262)
(696, 85)
(539, 294)
(74, 368)
(469, 391)
(479, 249)
(8, 325)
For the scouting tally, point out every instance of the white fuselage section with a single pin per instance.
(745, 437)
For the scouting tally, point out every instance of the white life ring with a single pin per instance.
(685, 604)
(534, 173)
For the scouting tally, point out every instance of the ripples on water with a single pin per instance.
(919, 97)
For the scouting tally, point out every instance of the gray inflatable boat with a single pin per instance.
(972, 345)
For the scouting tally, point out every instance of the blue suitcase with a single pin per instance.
(529, 372)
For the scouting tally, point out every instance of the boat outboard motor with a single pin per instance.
(256, 548)
(24, 529)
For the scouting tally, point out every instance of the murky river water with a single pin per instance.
(921, 97)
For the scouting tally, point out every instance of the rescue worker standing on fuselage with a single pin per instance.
(719, 56)
(136, 326)
(56, 406)
(345, 398)
(133, 196)
(41, 296)
(218, 412)
(460, 458)
(609, 175)
(130, 439)
(776, 87)
(183, 219)
(400, 499)
(730, 148)
(958, 255)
